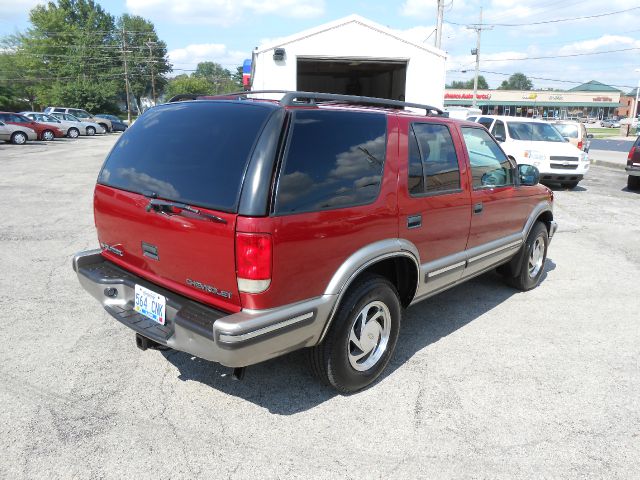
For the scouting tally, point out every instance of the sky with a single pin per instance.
(225, 31)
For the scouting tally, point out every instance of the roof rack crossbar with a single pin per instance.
(292, 98)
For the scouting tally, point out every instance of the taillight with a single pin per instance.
(253, 261)
(630, 157)
(580, 145)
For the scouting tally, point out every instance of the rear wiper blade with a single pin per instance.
(163, 206)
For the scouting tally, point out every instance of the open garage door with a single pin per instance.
(370, 77)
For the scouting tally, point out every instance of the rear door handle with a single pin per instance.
(477, 208)
(414, 221)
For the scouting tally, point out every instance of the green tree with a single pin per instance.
(146, 56)
(188, 84)
(517, 81)
(461, 84)
(221, 79)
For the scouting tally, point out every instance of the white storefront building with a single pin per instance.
(353, 56)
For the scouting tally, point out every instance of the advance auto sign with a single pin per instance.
(467, 96)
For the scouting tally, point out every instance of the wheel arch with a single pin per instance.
(395, 259)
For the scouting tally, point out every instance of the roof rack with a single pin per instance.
(292, 98)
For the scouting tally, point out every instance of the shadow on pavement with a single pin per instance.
(285, 386)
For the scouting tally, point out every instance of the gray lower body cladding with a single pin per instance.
(235, 340)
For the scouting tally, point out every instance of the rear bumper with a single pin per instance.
(235, 340)
(633, 170)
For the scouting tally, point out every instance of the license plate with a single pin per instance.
(150, 304)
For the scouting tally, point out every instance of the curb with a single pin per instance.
(608, 164)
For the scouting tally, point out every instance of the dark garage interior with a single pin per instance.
(371, 78)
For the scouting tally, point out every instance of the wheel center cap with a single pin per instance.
(369, 337)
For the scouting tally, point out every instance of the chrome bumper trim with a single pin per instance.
(227, 338)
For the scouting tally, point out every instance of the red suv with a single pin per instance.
(238, 229)
(44, 131)
(633, 166)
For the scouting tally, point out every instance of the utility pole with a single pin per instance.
(478, 28)
(126, 71)
(438, 40)
(153, 78)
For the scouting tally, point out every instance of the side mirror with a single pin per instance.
(499, 137)
(589, 135)
(566, 139)
(529, 175)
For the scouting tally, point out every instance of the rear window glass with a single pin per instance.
(333, 160)
(193, 152)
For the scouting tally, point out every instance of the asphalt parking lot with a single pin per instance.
(486, 382)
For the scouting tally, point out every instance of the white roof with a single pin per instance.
(345, 21)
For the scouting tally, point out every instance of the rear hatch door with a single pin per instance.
(167, 196)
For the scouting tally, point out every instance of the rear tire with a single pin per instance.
(19, 138)
(48, 136)
(533, 261)
(73, 133)
(633, 182)
(91, 131)
(570, 185)
(361, 338)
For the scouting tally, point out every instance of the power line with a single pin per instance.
(560, 56)
(571, 19)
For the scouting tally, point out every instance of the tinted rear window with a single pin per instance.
(333, 160)
(193, 152)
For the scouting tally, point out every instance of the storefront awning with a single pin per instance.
(530, 103)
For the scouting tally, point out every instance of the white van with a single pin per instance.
(462, 113)
(539, 143)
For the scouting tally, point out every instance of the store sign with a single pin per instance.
(467, 96)
(530, 96)
(556, 97)
(602, 99)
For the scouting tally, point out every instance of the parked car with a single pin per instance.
(16, 134)
(257, 237)
(83, 115)
(45, 119)
(633, 166)
(575, 132)
(70, 129)
(85, 127)
(541, 144)
(44, 131)
(610, 123)
(117, 125)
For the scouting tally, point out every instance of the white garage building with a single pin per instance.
(352, 56)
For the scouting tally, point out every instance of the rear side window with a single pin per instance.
(433, 163)
(499, 130)
(192, 152)
(333, 159)
(485, 122)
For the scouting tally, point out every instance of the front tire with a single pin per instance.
(362, 337)
(533, 260)
(48, 136)
(633, 182)
(19, 138)
(106, 129)
(73, 133)
(91, 131)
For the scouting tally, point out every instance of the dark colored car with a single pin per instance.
(44, 131)
(117, 125)
(633, 166)
(238, 230)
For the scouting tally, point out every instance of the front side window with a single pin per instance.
(50, 119)
(490, 167)
(433, 163)
(499, 131)
(333, 159)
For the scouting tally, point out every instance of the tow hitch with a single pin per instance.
(144, 343)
